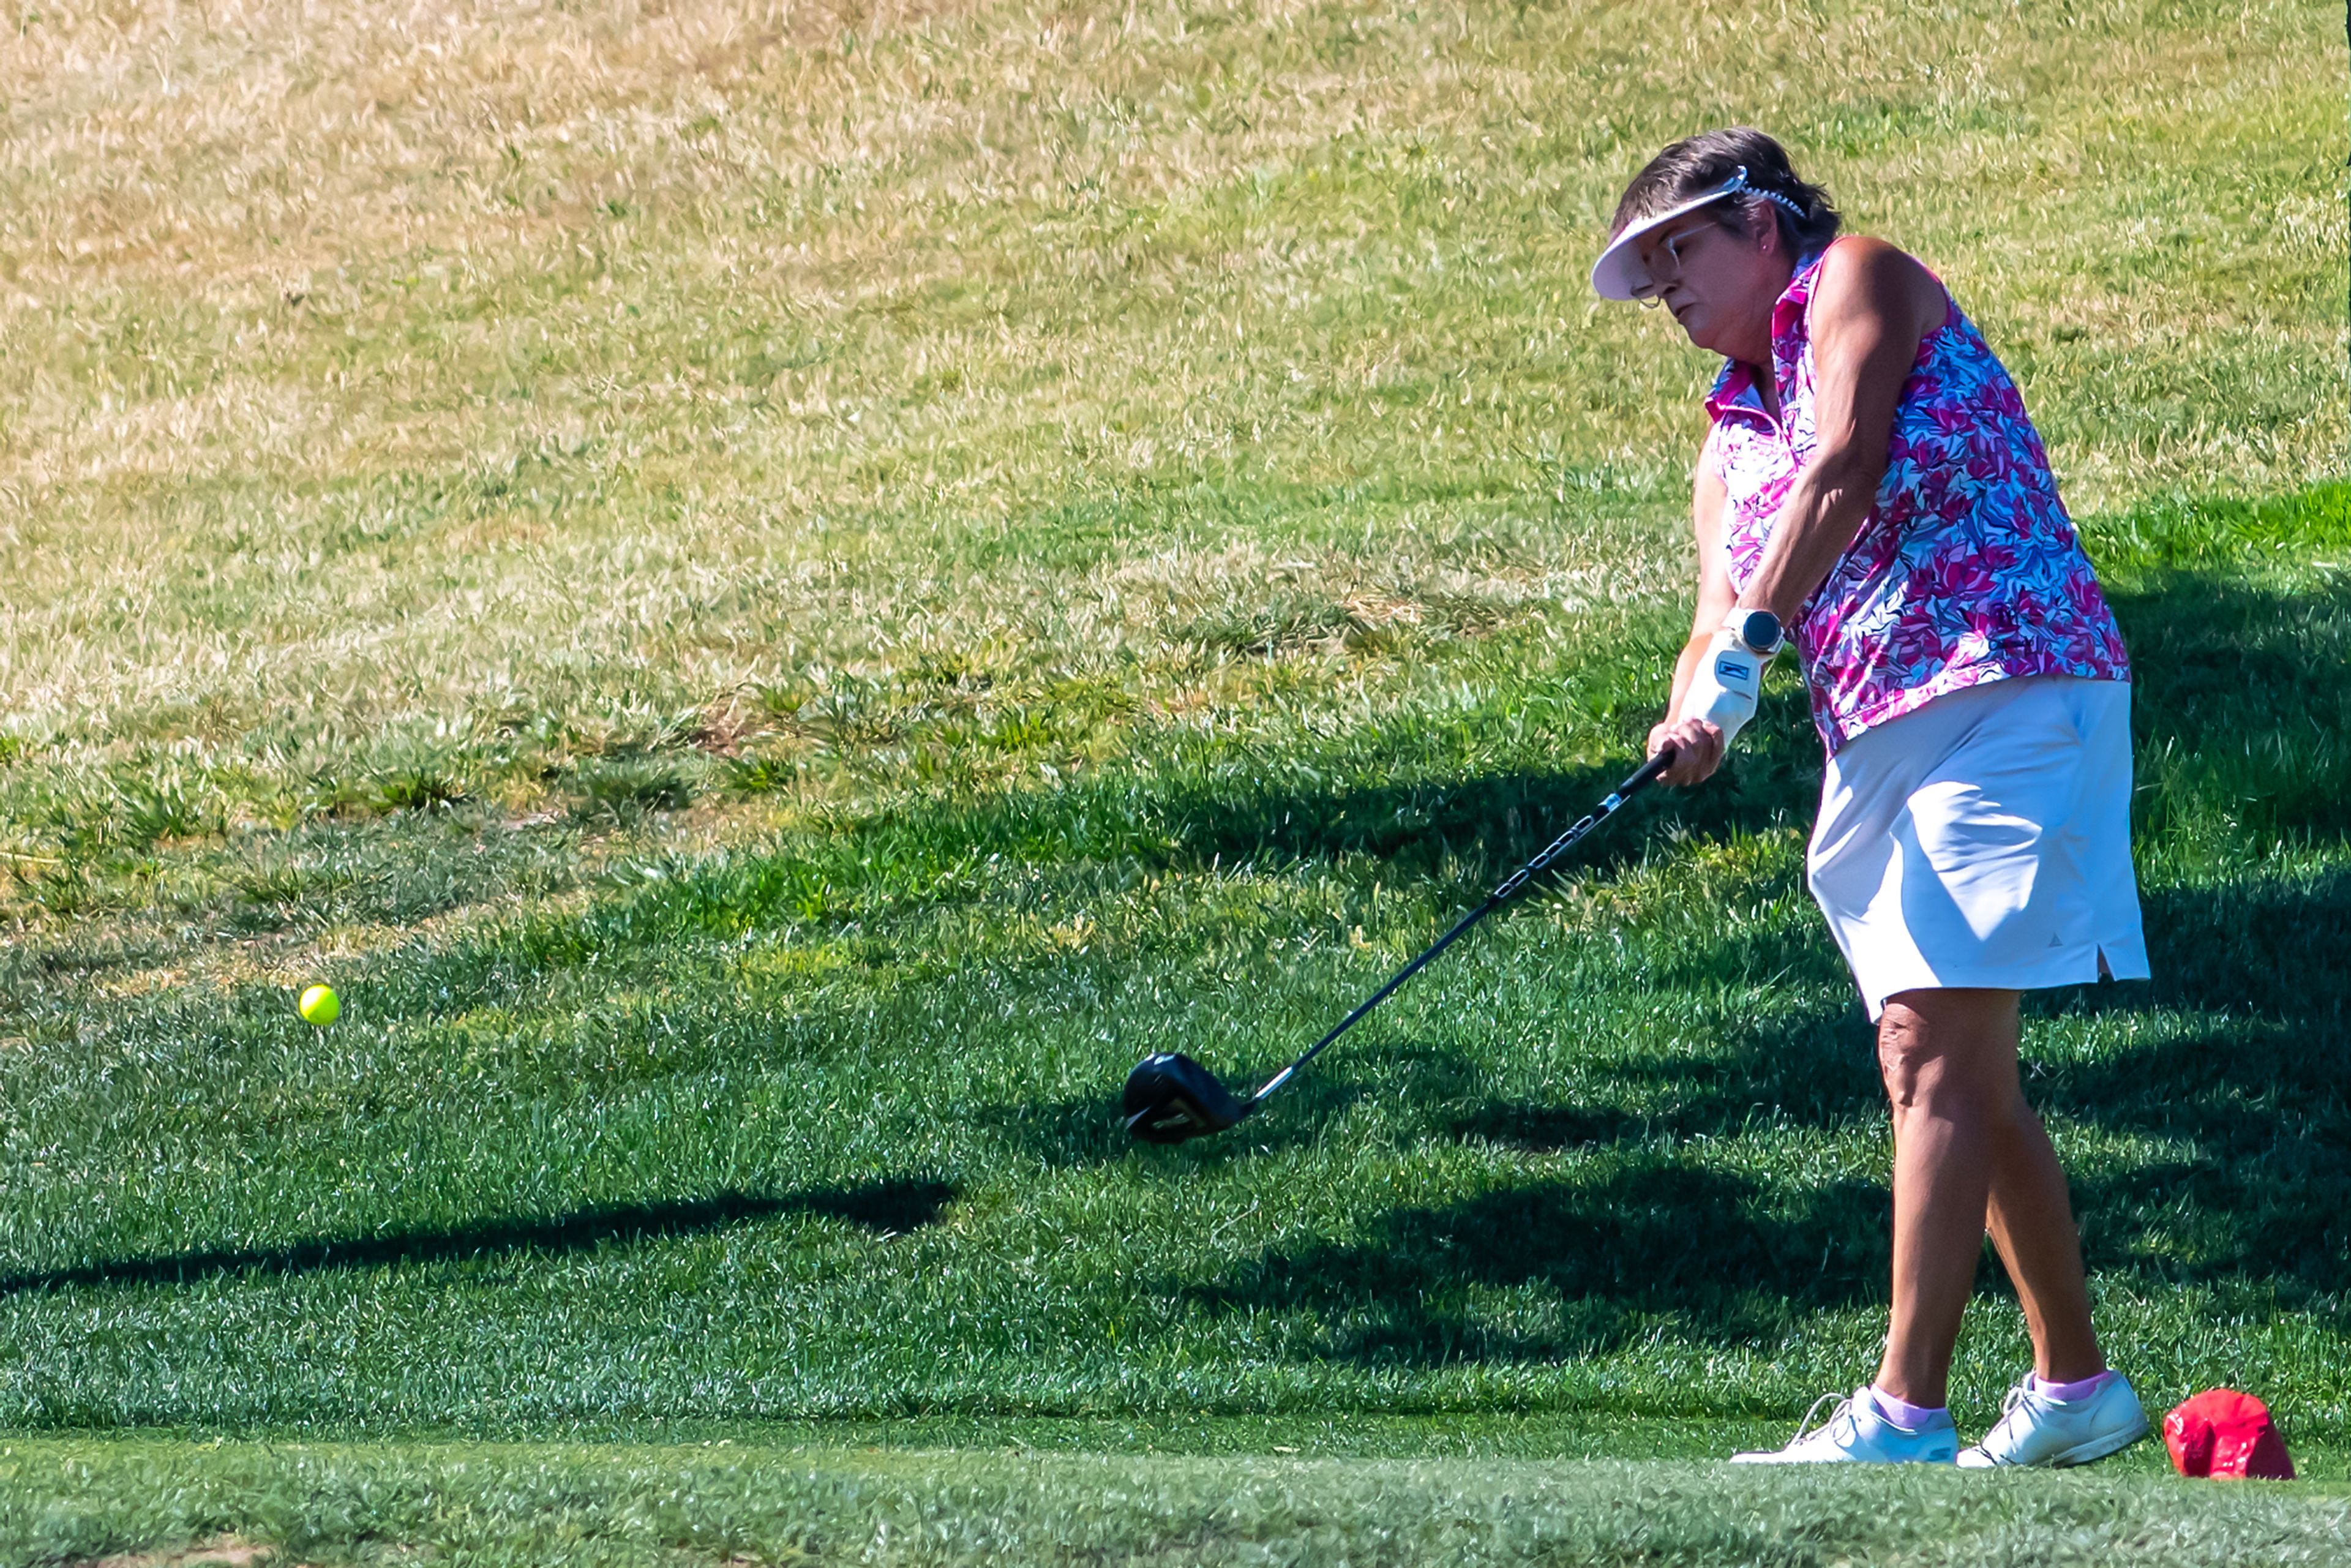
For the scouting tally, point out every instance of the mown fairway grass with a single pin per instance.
(622, 1504)
(775, 594)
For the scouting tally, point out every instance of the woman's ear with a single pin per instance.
(1763, 228)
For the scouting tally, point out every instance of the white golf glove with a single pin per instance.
(1727, 681)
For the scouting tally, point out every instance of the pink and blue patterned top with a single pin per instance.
(1967, 568)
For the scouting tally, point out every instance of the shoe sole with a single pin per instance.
(1776, 1460)
(2099, 1447)
(2087, 1453)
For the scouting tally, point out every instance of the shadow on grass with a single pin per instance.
(2272, 943)
(1496, 820)
(2259, 1193)
(2241, 726)
(1817, 1067)
(2244, 731)
(2255, 1095)
(2238, 709)
(1385, 798)
(1611, 1254)
(2260, 1196)
(888, 1208)
(1631, 1237)
(2257, 1105)
(2255, 1184)
(2240, 716)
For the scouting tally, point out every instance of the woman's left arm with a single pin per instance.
(1872, 308)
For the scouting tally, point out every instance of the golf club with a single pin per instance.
(1169, 1097)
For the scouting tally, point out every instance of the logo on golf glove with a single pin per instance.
(1724, 689)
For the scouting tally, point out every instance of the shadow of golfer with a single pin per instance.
(888, 1208)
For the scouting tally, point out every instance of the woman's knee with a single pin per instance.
(1909, 1061)
(1938, 1048)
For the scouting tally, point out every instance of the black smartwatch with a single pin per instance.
(1760, 630)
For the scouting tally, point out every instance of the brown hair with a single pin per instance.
(1697, 164)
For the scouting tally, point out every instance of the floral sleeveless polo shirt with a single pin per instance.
(1967, 568)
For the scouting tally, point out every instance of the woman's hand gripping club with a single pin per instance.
(1719, 696)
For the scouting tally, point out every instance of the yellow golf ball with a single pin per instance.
(320, 1006)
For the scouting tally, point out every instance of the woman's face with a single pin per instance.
(1720, 283)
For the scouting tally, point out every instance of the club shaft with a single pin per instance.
(1512, 886)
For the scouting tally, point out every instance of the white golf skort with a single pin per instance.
(1984, 840)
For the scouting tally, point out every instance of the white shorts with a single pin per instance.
(1984, 840)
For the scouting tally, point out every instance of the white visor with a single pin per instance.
(1620, 274)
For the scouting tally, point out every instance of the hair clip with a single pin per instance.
(1738, 182)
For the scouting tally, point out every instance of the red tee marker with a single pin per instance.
(2226, 1435)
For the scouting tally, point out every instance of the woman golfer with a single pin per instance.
(1871, 485)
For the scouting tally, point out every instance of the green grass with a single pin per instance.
(776, 596)
(711, 1503)
(817, 1125)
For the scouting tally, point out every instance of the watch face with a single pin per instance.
(1760, 630)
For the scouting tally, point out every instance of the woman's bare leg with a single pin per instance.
(1966, 1149)
(2031, 1224)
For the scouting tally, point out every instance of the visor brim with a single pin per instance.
(1620, 269)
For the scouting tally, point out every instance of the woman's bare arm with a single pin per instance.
(1872, 308)
(1696, 743)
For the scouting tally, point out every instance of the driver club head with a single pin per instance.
(1170, 1097)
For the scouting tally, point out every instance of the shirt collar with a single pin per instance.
(1734, 387)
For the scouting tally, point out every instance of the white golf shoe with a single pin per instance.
(1857, 1434)
(2035, 1429)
